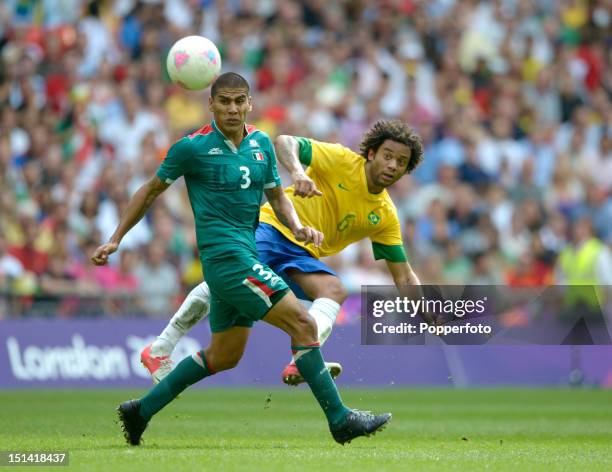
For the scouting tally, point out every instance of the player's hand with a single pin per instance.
(308, 235)
(100, 255)
(304, 186)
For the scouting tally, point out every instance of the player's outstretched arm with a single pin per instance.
(405, 279)
(135, 210)
(402, 274)
(286, 214)
(287, 152)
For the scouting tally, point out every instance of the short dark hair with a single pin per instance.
(229, 80)
(397, 131)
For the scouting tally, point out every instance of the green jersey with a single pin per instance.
(225, 186)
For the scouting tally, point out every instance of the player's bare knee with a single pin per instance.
(230, 362)
(331, 287)
(337, 291)
(305, 329)
(223, 361)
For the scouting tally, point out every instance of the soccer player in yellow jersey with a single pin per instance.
(341, 193)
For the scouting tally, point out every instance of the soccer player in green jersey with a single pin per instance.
(342, 193)
(227, 166)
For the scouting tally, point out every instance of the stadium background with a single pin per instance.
(512, 99)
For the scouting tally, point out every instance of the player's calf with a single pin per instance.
(290, 316)
(301, 327)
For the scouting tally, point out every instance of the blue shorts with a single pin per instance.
(280, 254)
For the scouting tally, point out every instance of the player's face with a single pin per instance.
(387, 165)
(230, 108)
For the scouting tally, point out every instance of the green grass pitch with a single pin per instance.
(283, 429)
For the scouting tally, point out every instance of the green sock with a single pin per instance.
(311, 366)
(189, 371)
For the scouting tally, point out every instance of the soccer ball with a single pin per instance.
(193, 62)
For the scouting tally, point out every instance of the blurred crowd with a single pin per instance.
(513, 100)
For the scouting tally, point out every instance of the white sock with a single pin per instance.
(195, 307)
(324, 311)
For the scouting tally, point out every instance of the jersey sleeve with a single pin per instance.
(176, 161)
(272, 177)
(319, 156)
(387, 243)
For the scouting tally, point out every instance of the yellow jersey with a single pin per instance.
(347, 212)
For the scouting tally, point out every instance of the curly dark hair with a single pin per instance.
(397, 131)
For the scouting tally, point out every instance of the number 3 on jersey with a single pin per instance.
(246, 181)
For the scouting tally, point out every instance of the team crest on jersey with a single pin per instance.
(258, 155)
(373, 218)
(253, 143)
